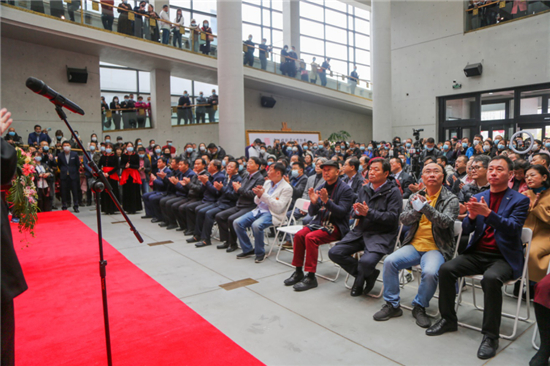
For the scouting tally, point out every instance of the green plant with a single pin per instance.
(339, 136)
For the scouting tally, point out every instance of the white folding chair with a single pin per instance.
(418, 269)
(292, 227)
(276, 228)
(536, 331)
(526, 236)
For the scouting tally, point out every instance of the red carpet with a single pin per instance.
(59, 320)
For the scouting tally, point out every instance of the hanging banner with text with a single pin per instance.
(283, 136)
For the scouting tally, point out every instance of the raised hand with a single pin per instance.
(203, 178)
(313, 196)
(218, 185)
(324, 195)
(236, 186)
(5, 120)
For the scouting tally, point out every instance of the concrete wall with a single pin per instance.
(21, 60)
(304, 116)
(430, 50)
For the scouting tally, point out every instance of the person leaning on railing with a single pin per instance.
(205, 48)
(107, 16)
(165, 24)
(176, 26)
(153, 28)
(124, 24)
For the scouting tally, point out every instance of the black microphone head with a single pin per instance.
(35, 85)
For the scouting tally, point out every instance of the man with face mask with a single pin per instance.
(13, 138)
(195, 30)
(36, 137)
(68, 163)
(291, 62)
(264, 50)
(429, 149)
(212, 106)
(284, 57)
(184, 109)
(249, 51)
(200, 109)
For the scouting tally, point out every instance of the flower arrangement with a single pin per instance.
(22, 196)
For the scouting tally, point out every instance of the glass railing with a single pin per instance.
(310, 73)
(145, 23)
(480, 14)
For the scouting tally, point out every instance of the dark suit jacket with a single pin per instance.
(68, 168)
(211, 194)
(379, 228)
(356, 184)
(405, 179)
(246, 196)
(339, 206)
(507, 222)
(13, 281)
(228, 196)
(298, 185)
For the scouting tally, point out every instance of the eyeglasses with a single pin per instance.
(477, 167)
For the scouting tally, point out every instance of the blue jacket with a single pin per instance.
(158, 184)
(33, 137)
(211, 194)
(507, 222)
(182, 191)
(228, 196)
(339, 205)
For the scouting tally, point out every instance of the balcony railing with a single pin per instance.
(145, 24)
(485, 13)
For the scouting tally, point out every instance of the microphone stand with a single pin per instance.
(100, 183)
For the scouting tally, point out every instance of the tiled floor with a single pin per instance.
(323, 326)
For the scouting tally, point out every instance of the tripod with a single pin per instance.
(99, 184)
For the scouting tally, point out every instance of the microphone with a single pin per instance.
(39, 87)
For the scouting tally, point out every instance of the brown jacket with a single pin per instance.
(539, 221)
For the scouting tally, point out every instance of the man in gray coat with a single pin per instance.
(431, 214)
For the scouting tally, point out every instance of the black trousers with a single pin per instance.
(168, 207)
(342, 254)
(69, 186)
(8, 333)
(225, 223)
(495, 272)
(181, 213)
(190, 212)
(205, 231)
(200, 217)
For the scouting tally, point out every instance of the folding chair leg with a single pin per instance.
(280, 260)
(534, 340)
(329, 278)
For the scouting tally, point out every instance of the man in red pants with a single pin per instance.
(331, 206)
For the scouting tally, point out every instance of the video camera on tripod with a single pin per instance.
(414, 153)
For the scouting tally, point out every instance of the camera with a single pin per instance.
(415, 153)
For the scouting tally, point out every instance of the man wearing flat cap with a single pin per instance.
(331, 205)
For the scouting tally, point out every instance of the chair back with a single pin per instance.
(526, 238)
(300, 204)
(458, 235)
(405, 203)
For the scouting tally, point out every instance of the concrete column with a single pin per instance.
(381, 70)
(291, 24)
(160, 103)
(230, 77)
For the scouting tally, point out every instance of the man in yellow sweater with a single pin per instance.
(430, 242)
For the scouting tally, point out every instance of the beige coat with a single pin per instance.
(539, 221)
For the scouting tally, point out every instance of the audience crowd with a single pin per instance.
(362, 198)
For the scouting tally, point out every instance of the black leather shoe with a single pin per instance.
(192, 240)
(442, 326)
(488, 348)
(371, 281)
(245, 255)
(75, 209)
(307, 283)
(294, 278)
(188, 232)
(202, 244)
(163, 224)
(155, 220)
(223, 246)
(171, 227)
(146, 217)
(422, 320)
(180, 229)
(358, 286)
(232, 248)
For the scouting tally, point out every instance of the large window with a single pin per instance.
(264, 19)
(338, 31)
(200, 10)
(117, 81)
